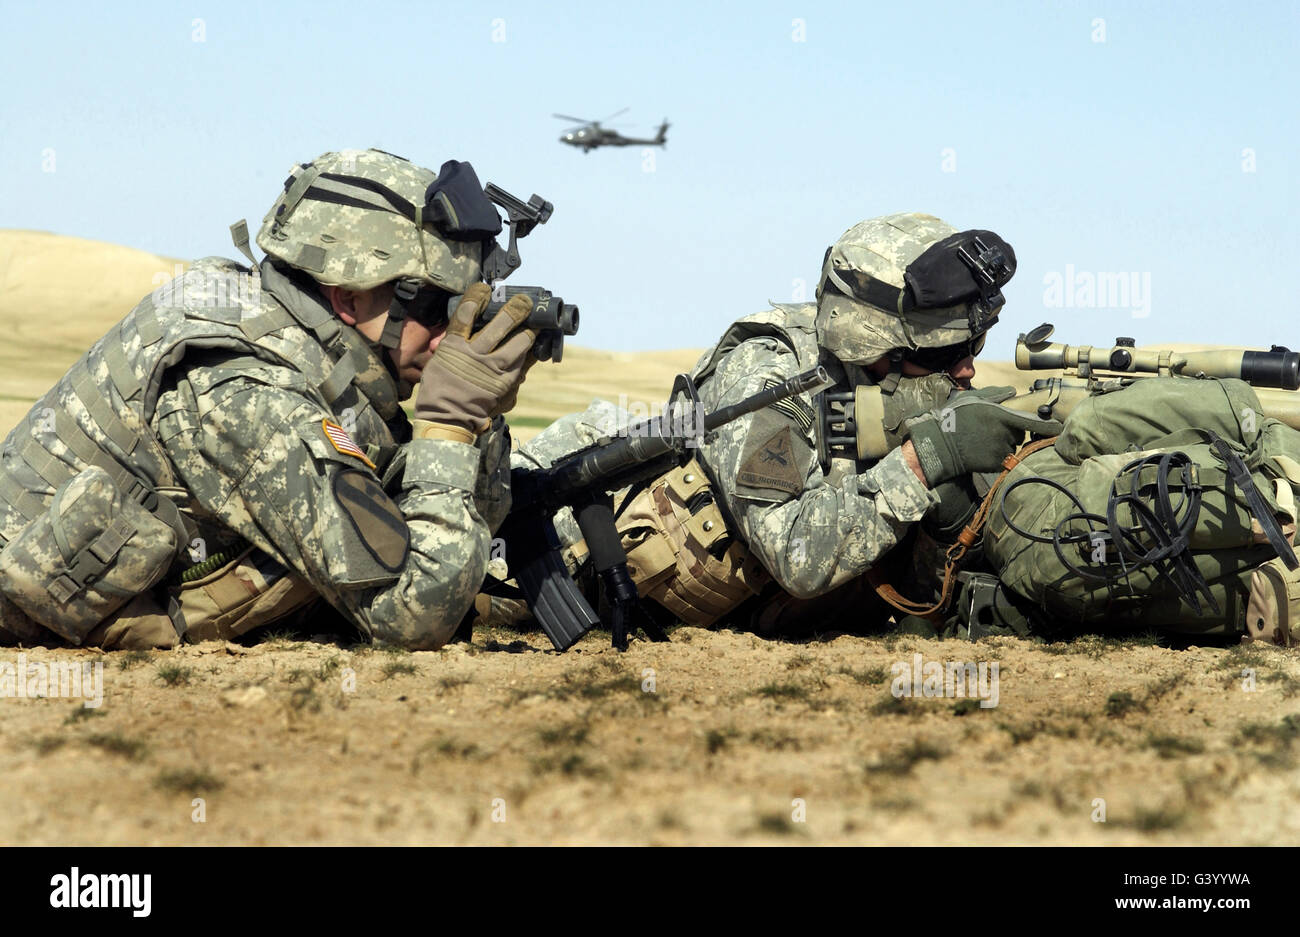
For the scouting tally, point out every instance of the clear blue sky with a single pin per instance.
(1098, 157)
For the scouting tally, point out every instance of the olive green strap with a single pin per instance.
(239, 234)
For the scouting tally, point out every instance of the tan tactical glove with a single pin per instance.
(472, 378)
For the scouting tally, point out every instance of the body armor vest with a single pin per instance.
(99, 413)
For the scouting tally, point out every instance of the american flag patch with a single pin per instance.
(793, 407)
(341, 441)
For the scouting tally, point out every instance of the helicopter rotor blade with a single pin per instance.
(613, 115)
(576, 120)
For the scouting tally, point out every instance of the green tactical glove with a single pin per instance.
(971, 434)
(472, 378)
(993, 394)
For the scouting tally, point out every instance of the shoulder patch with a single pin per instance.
(341, 441)
(774, 464)
(376, 520)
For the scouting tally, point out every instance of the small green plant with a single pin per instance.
(1021, 732)
(118, 744)
(574, 732)
(131, 658)
(1172, 746)
(715, 740)
(1154, 819)
(784, 691)
(304, 698)
(44, 744)
(392, 668)
(867, 677)
(891, 705)
(188, 780)
(775, 823)
(174, 674)
(902, 760)
(1120, 704)
(81, 714)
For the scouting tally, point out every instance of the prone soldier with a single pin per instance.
(772, 515)
(235, 448)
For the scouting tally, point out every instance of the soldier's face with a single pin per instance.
(367, 312)
(962, 372)
(417, 345)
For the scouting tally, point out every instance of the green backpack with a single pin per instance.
(1133, 518)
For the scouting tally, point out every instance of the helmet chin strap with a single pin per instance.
(889, 383)
(388, 348)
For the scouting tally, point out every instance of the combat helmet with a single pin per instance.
(902, 284)
(361, 218)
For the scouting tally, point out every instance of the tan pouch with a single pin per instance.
(249, 591)
(87, 556)
(142, 624)
(669, 548)
(1273, 606)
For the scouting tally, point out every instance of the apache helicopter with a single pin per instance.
(591, 134)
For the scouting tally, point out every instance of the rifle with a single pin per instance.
(1091, 370)
(584, 481)
(851, 421)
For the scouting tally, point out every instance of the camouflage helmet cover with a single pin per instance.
(881, 249)
(336, 220)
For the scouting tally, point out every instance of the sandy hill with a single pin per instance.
(59, 294)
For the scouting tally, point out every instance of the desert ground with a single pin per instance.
(718, 737)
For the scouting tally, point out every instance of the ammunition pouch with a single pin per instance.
(680, 552)
(238, 595)
(93, 550)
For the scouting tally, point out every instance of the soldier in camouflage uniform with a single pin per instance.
(758, 511)
(235, 448)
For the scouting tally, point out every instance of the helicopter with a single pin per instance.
(590, 134)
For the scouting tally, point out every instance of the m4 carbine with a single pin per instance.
(585, 481)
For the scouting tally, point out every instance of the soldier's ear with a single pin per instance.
(344, 303)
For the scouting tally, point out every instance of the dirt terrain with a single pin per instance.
(713, 738)
(716, 737)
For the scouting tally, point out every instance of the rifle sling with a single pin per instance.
(957, 552)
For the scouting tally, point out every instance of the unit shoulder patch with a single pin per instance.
(377, 523)
(777, 464)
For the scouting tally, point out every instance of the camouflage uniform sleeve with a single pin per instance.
(492, 486)
(253, 452)
(812, 535)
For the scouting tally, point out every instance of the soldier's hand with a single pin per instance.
(472, 378)
(971, 434)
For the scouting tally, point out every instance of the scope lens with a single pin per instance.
(1271, 369)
